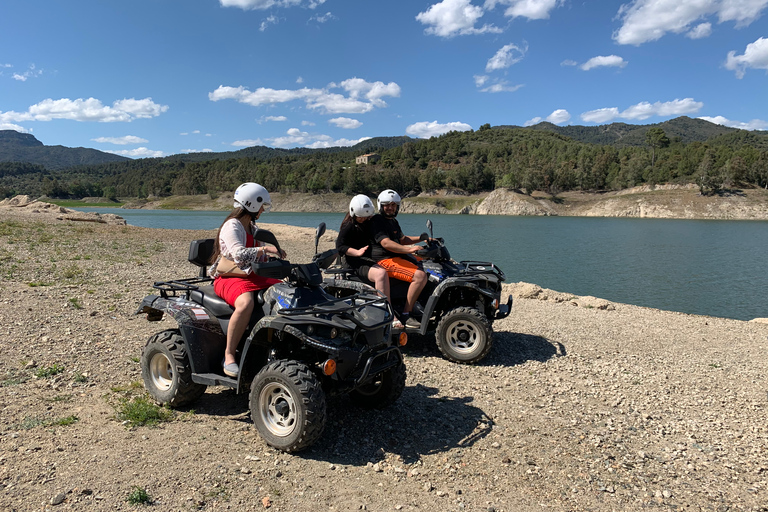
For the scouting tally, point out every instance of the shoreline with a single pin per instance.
(660, 202)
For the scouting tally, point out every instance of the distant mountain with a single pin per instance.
(24, 147)
(622, 134)
(267, 153)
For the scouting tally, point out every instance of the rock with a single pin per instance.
(58, 499)
(760, 320)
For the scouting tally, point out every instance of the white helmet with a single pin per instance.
(361, 206)
(388, 196)
(252, 197)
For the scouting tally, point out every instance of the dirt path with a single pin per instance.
(582, 405)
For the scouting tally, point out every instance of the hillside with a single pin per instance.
(622, 134)
(24, 147)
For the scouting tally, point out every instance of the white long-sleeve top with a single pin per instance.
(232, 241)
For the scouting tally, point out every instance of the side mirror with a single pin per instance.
(320, 231)
(268, 237)
(429, 227)
(424, 237)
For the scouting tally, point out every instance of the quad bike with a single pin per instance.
(459, 302)
(301, 345)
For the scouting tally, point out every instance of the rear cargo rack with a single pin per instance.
(481, 267)
(179, 287)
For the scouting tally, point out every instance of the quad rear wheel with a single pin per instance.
(288, 405)
(464, 335)
(382, 391)
(166, 370)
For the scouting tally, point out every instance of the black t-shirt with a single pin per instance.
(353, 235)
(383, 227)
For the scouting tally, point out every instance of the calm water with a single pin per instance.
(717, 268)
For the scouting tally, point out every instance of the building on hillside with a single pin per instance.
(370, 158)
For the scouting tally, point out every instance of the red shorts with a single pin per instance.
(399, 268)
(230, 288)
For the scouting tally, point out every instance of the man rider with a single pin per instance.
(393, 250)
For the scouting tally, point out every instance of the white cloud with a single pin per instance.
(127, 139)
(426, 129)
(604, 61)
(363, 96)
(345, 122)
(507, 56)
(300, 80)
(295, 137)
(322, 18)
(141, 152)
(700, 31)
(246, 143)
(531, 122)
(569, 62)
(251, 5)
(30, 73)
(755, 124)
(644, 110)
(90, 109)
(501, 86)
(601, 115)
(450, 18)
(649, 20)
(480, 80)
(755, 56)
(204, 150)
(559, 116)
(307, 123)
(15, 127)
(275, 118)
(269, 20)
(531, 9)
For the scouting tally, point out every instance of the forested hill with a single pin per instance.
(24, 147)
(621, 134)
(682, 150)
(267, 153)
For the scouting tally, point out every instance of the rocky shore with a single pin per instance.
(660, 202)
(583, 404)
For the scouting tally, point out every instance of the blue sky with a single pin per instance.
(160, 77)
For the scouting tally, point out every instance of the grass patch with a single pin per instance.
(80, 378)
(138, 496)
(31, 422)
(141, 412)
(75, 303)
(35, 284)
(65, 422)
(72, 272)
(50, 371)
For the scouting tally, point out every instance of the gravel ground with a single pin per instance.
(581, 405)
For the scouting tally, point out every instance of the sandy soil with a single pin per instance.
(581, 405)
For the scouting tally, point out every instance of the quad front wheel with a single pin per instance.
(288, 405)
(464, 335)
(166, 371)
(382, 391)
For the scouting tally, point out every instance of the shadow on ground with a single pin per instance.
(509, 349)
(420, 423)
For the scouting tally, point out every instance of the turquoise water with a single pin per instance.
(713, 268)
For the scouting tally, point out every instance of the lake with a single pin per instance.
(716, 268)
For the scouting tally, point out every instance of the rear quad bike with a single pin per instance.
(459, 302)
(301, 344)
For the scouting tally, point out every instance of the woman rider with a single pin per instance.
(233, 254)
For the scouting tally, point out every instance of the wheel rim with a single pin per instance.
(463, 336)
(277, 409)
(161, 372)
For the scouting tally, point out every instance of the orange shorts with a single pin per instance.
(400, 268)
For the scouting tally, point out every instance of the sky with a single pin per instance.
(152, 78)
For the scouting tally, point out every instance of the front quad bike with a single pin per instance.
(459, 303)
(301, 344)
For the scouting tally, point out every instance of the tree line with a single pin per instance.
(473, 161)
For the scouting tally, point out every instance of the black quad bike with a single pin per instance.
(459, 302)
(301, 344)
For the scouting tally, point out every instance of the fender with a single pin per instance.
(429, 309)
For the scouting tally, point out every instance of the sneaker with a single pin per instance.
(412, 323)
(397, 325)
(231, 369)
